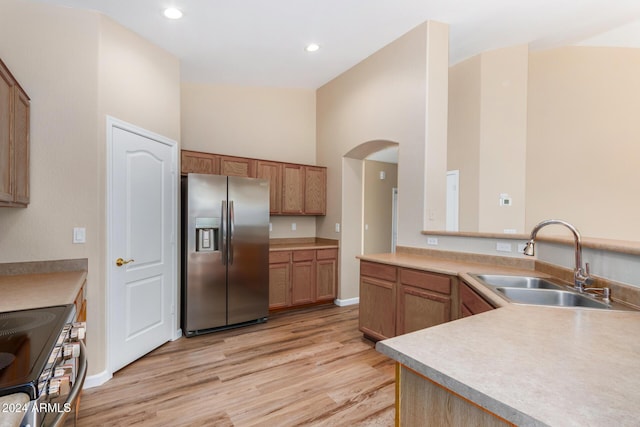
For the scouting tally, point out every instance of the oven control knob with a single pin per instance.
(71, 350)
(78, 331)
(59, 385)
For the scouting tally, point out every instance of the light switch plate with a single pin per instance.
(432, 241)
(79, 235)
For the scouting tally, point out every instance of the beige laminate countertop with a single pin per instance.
(11, 409)
(531, 365)
(25, 291)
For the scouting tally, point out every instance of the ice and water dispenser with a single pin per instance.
(207, 234)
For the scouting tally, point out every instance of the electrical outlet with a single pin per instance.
(337, 227)
(432, 241)
(503, 247)
(270, 227)
(293, 226)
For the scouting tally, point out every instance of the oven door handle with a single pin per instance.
(74, 394)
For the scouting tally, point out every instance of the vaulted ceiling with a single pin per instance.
(261, 42)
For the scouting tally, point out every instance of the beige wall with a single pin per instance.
(140, 84)
(503, 138)
(582, 148)
(463, 145)
(487, 138)
(259, 122)
(386, 97)
(77, 66)
(53, 52)
(378, 210)
(571, 157)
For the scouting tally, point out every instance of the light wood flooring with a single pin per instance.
(307, 367)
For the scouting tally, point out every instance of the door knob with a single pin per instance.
(120, 262)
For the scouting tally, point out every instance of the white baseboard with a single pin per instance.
(97, 379)
(344, 302)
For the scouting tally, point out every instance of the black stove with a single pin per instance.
(27, 341)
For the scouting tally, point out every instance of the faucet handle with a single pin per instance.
(587, 268)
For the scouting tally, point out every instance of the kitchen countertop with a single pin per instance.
(292, 246)
(25, 291)
(531, 365)
(11, 409)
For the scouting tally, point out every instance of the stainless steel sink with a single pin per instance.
(517, 281)
(537, 291)
(550, 297)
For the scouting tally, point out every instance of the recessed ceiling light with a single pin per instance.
(173, 13)
(312, 47)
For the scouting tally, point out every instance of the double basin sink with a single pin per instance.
(537, 291)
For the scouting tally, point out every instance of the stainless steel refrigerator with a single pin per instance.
(225, 247)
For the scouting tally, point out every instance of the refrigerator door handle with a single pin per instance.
(223, 234)
(232, 222)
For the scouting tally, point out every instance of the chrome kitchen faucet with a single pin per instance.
(581, 276)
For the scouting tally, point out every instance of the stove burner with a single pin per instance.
(18, 321)
(6, 359)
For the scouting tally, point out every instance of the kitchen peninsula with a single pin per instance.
(516, 365)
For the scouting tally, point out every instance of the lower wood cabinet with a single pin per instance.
(302, 277)
(424, 300)
(470, 302)
(422, 402)
(377, 300)
(396, 300)
(326, 274)
(279, 279)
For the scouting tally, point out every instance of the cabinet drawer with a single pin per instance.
(327, 254)
(379, 271)
(304, 255)
(279, 256)
(424, 280)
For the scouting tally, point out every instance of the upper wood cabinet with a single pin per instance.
(294, 189)
(272, 171)
(315, 188)
(196, 162)
(14, 141)
(237, 166)
(304, 190)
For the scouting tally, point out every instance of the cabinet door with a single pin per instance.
(273, 172)
(279, 285)
(419, 309)
(237, 166)
(315, 190)
(292, 189)
(326, 277)
(377, 308)
(302, 282)
(6, 137)
(21, 147)
(470, 302)
(195, 162)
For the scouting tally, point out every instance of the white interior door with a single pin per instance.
(142, 209)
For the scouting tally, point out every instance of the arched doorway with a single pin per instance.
(352, 235)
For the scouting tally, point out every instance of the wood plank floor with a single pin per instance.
(306, 367)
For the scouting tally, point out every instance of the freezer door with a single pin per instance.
(204, 287)
(248, 259)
